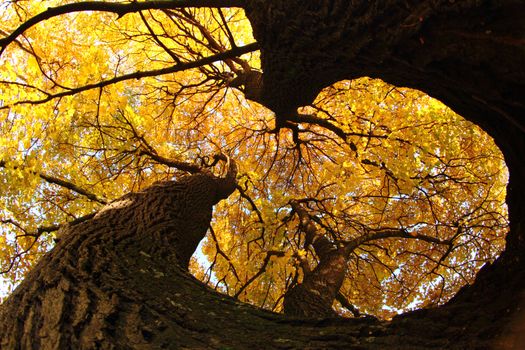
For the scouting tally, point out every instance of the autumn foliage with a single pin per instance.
(93, 106)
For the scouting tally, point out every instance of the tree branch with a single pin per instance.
(71, 186)
(143, 74)
(63, 183)
(120, 9)
(17, 255)
(183, 166)
(392, 233)
(269, 254)
(53, 228)
(346, 304)
(244, 195)
(223, 254)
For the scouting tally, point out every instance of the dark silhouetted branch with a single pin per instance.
(120, 9)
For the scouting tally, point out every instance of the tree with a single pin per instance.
(95, 290)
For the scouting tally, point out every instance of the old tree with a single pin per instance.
(291, 147)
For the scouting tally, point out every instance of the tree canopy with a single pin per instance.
(106, 98)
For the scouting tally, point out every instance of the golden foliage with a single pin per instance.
(91, 99)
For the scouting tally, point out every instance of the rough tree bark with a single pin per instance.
(315, 296)
(81, 294)
(120, 288)
(469, 54)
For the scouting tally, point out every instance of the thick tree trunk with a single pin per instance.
(109, 279)
(469, 54)
(124, 289)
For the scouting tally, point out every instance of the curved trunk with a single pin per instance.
(469, 54)
(89, 291)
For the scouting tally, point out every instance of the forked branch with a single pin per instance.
(144, 74)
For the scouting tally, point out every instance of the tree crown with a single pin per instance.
(95, 105)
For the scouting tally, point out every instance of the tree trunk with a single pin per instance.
(123, 287)
(469, 54)
(315, 295)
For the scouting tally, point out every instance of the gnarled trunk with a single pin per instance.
(92, 290)
(469, 54)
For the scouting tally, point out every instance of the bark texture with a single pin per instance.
(470, 55)
(315, 296)
(91, 290)
(121, 285)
